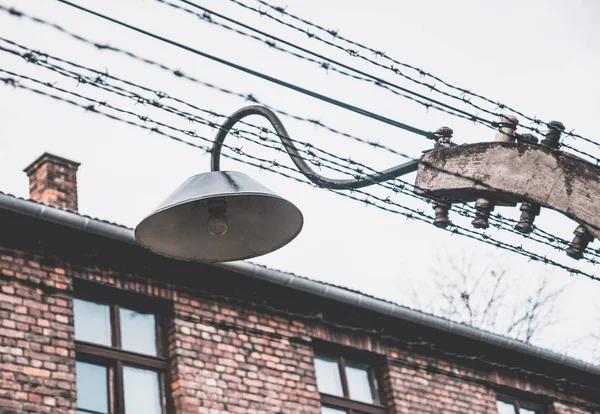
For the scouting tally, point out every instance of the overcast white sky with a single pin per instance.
(538, 56)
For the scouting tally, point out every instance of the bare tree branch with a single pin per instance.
(486, 294)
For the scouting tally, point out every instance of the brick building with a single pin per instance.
(92, 323)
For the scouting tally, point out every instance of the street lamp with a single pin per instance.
(223, 216)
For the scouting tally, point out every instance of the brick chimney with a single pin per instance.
(53, 181)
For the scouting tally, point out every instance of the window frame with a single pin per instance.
(519, 403)
(342, 358)
(113, 357)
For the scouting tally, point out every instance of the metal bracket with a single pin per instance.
(509, 171)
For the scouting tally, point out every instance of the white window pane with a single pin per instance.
(328, 376)
(142, 392)
(505, 408)
(92, 322)
(327, 410)
(138, 331)
(359, 385)
(526, 411)
(92, 387)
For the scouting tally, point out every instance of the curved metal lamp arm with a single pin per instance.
(300, 163)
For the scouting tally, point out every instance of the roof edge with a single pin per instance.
(359, 300)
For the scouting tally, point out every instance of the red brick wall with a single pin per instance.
(37, 347)
(224, 358)
(413, 390)
(236, 372)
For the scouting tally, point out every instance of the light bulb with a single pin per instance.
(217, 224)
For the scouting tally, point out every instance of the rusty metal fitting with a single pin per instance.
(580, 242)
(441, 209)
(527, 139)
(552, 138)
(484, 208)
(508, 126)
(529, 211)
(443, 137)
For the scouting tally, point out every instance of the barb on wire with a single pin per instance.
(393, 207)
(380, 54)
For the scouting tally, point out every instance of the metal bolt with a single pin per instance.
(528, 213)
(483, 208)
(506, 133)
(552, 137)
(580, 242)
(527, 139)
(443, 137)
(441, 214)
(508, 126)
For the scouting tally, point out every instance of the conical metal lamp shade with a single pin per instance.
(259, 221)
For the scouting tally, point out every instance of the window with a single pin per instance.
(510, 405)
(347, 386)
(120, 364)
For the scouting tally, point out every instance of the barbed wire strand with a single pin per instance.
(407, 212)
(353, 53)
(337, 163)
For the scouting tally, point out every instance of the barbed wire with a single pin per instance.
(305, 119)
(593, 158)
(8, 81)
(371, 79)
(378, 53)
(180, 74)
(387, 203)
(336, 163)
(104, 47)
(326, 63)
(244, 69)
(38, 58)
(82, 273)
(482, 121)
